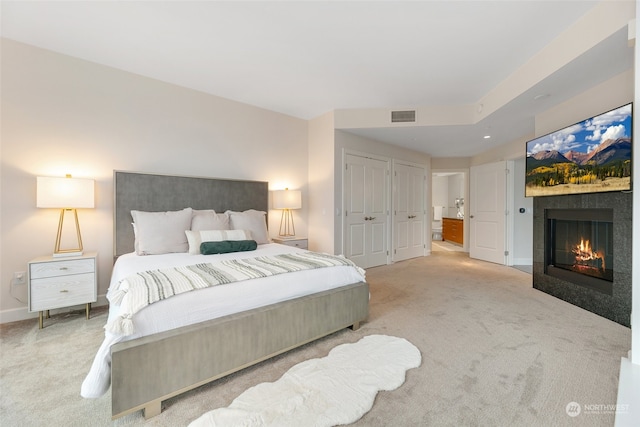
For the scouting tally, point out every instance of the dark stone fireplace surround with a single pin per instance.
(617, 306)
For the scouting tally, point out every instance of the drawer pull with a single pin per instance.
(64, 268)
(63, 291)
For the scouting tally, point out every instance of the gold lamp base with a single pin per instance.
(57, 252)
(287, 228)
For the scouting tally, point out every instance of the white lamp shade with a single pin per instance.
(287, 199)
(65, 193)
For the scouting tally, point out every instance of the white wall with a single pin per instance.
(440, 193)
(456, 191)
(603, 97)
(64, 115)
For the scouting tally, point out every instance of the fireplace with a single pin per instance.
(582, 251)
(579, 247)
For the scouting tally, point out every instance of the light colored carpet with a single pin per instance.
(323, 392)
(495, 352)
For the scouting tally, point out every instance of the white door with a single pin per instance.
(487, 212)
(408, 212)
(366, 195)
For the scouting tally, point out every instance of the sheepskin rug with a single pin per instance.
(336, 389)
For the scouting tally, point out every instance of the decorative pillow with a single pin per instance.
(209, 220)
(161, 232)
(227, 246)
(252, 220)
(195, 238)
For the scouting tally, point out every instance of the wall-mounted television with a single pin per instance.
(591, 156)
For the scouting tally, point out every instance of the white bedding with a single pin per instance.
(204, 304)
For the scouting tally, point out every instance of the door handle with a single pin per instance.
(369, 218)
(470, 216)
(411, 216)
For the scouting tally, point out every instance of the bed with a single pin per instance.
(196, 337)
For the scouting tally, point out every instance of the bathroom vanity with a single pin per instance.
(453, 230)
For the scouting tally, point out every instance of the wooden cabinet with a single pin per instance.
(62, 282)
(453, 230)
(301, 243)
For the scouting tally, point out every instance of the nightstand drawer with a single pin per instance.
(302, 243)
(298, 243)
(61, 268)
(56, 292)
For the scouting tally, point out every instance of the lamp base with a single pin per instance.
(69, 252)
(287, 228)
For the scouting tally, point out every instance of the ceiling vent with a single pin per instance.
(408, 116)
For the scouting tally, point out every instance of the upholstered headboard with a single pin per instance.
(157, 193)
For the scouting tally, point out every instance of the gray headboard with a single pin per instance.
(157, 193)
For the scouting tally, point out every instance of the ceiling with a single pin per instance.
(306, 58)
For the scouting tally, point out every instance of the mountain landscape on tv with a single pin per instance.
(590, 156)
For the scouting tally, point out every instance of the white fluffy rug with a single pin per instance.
(333, 390)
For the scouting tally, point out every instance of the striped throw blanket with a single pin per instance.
(139, 290)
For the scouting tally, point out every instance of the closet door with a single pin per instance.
(408, 212)
(366, 195)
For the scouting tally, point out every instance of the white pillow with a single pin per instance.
(209, 220)
(161, 232)
(195, 238)
(252, 220)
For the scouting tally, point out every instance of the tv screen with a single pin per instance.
(588, 157)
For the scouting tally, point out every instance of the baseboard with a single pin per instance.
(18, 314)
(628, 404)
(523, 261)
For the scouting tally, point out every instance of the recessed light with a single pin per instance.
(487, 136)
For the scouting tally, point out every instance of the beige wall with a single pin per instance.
(64, 115)
(321, 183)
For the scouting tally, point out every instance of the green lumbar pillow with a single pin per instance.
(226, 246)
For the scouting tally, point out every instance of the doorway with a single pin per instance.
(449, 193)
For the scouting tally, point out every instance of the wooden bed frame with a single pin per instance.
(145, 371)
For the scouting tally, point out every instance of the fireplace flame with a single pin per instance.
(586, 256)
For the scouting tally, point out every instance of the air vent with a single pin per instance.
(403, 116)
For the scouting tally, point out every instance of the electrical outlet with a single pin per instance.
(19, 277)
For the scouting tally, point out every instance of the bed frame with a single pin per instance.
(148, 370)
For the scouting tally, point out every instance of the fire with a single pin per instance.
(585, 255)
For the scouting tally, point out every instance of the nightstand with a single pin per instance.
(56, 282)
(298, 242)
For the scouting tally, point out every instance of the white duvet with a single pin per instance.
(204, 304)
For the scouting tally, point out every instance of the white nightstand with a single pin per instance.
(62, 282)
(298, 242)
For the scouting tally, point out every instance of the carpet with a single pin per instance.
(336, 389)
